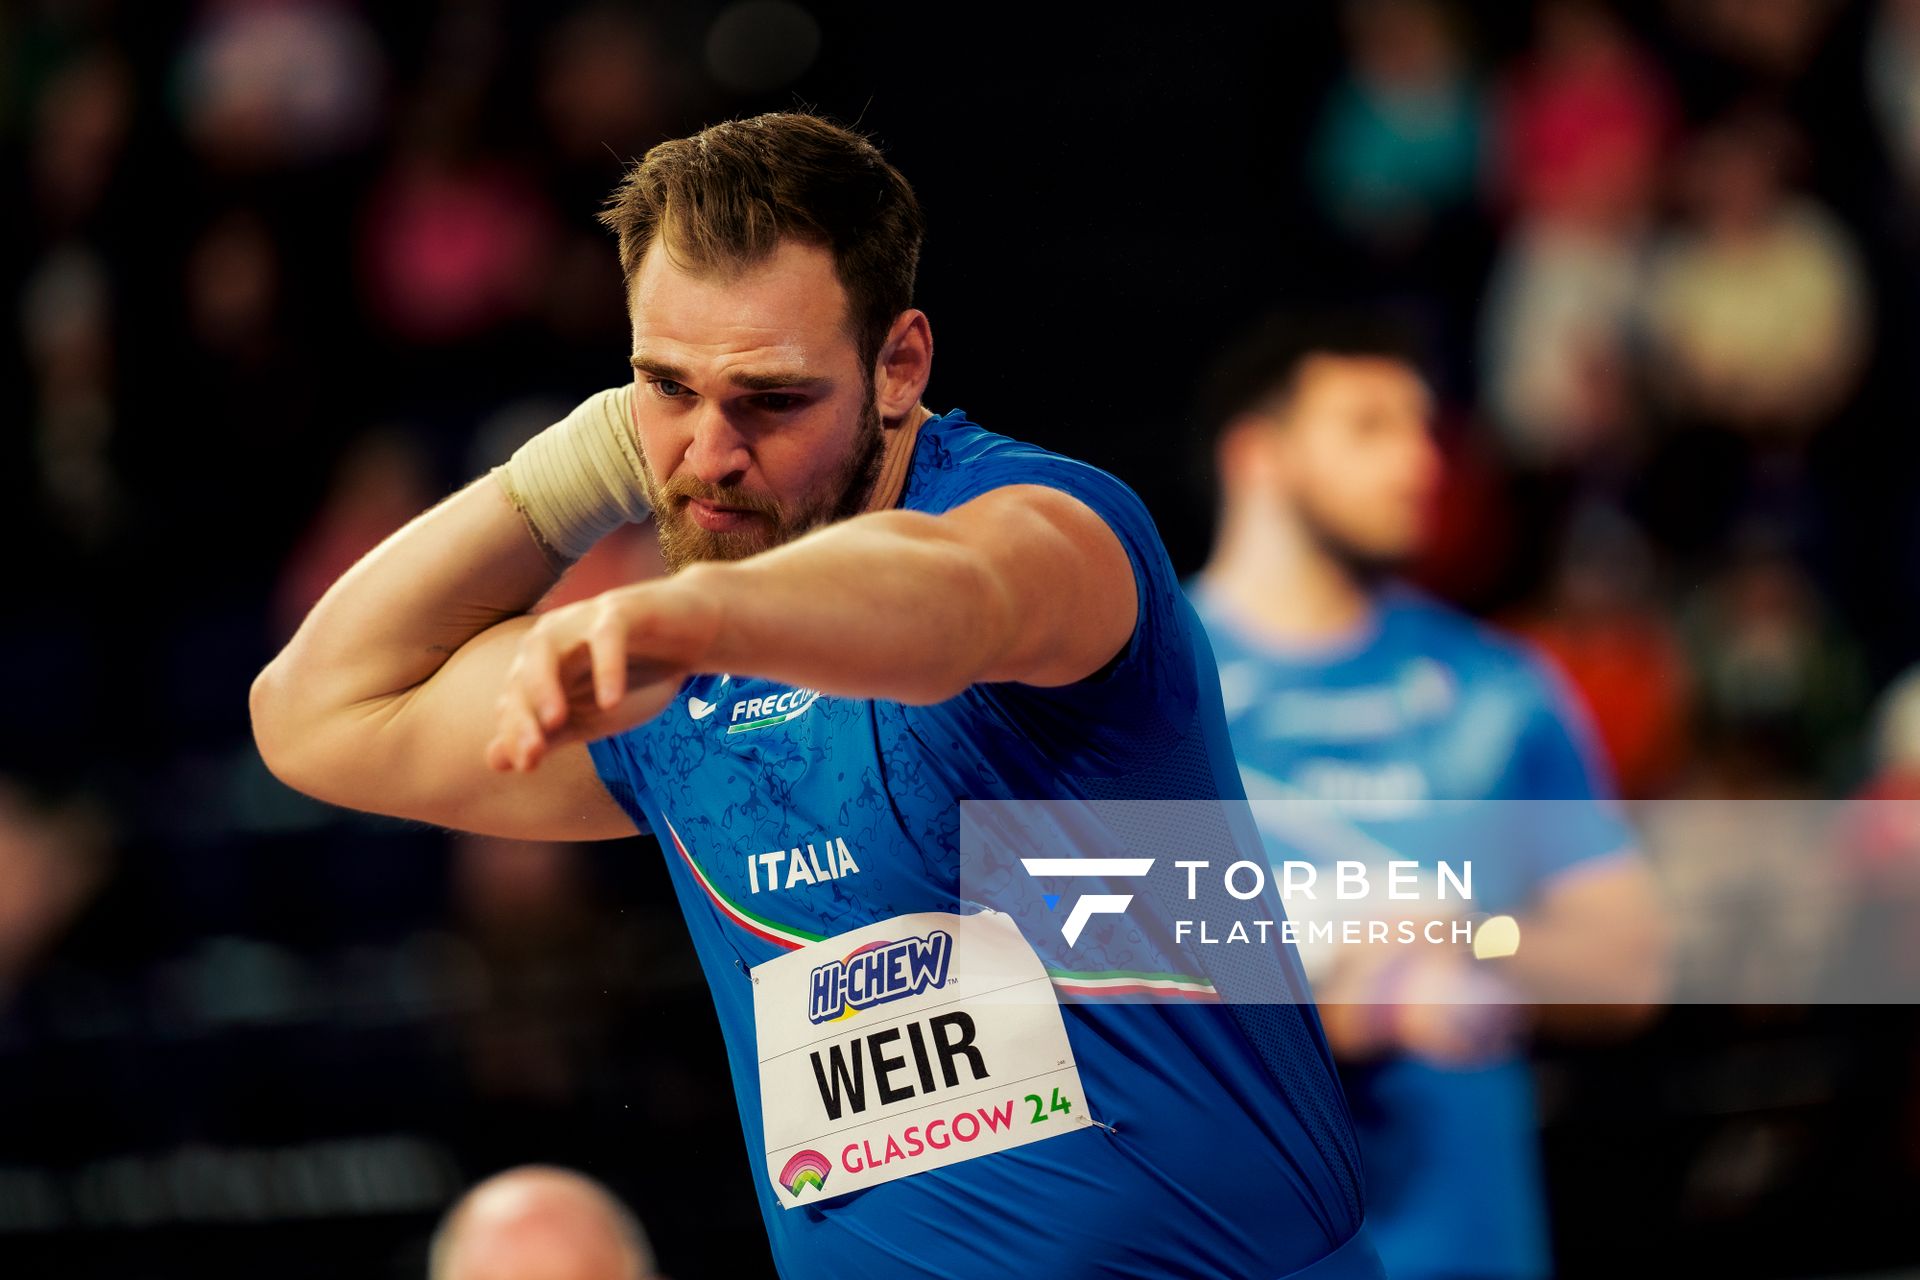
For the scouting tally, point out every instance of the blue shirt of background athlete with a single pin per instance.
(1423, 704)
(1216, 1167)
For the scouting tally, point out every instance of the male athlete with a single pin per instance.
(873, 613)
(1361, 710)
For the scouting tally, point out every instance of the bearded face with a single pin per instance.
(755, 408)
(1357, 464)
(768, 522)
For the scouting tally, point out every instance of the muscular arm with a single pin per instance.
(385, 697)
(1592, 961)
(1024, 583)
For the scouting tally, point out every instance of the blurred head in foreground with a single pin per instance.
(539, 1223)
(1323, 442)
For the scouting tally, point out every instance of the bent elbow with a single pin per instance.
(275, 727)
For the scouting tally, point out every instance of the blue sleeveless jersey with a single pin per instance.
(1422, 704)
(788, 816)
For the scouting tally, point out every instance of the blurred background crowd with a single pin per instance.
(278, 274)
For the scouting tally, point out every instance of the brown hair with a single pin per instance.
(725, 198)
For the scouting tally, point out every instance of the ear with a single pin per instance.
(905, 363)
(1245, 453)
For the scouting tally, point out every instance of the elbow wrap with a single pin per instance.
(581, 478)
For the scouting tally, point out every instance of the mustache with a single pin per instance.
(677, 490)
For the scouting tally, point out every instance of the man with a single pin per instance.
(1361, 712)
(874, 613)
(540, 1223)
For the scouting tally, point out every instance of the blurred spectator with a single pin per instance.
(454, 245)
(1878, 839)
(1896, 736)
(381, 483)
(585, 302)
(1399, 140)
(1773, 39)
(1781, 687)
(599, 86)
(1884, 839)
(232, 385)
(67, 323)
(80, 122)
(268, 83)
(233, 289)
(51, 861)
(755, 46)
(1583, 120)
(604, 94)
(1556, 338)
(535, 1223)
(1602, 623)
(527, 909)
(1758, 311)
(1582, 126)
(1893, 87)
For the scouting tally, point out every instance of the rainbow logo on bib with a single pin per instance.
(805, 1169)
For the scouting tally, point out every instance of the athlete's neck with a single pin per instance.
(896, 460)
(1272, 575)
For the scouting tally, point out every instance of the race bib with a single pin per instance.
(904, 1046)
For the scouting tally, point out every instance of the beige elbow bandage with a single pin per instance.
(581, 478)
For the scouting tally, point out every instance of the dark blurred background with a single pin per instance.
(278, 274)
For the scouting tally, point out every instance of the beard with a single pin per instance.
(772, 523)
(1368, 566)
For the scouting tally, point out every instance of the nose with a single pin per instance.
(717, 454)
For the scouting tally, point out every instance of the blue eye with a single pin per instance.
(666, 387)
(778, 403)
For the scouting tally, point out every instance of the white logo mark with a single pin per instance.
(1092, 904)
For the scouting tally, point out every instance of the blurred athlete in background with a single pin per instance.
(1357, 708)
(875, 612)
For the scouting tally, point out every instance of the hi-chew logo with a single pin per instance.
(877, 973)
(805, 1169)
(1090, 904)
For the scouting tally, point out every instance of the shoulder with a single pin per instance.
(1555, 751)
(1477, 651)
(956, 460)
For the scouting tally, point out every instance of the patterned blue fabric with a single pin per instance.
(764, 797)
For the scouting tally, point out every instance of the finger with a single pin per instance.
(607, 641)
(520, 738)
(539, 674)
(650, 687)
(532, 742)
(500, 749)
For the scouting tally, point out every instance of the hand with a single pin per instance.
(600, 667)
(1455, 1012)
(1434, 1004)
